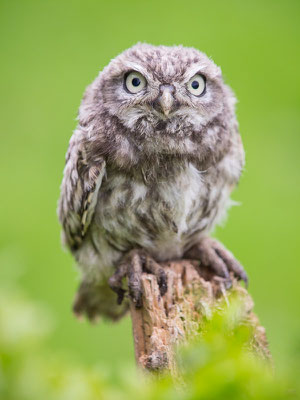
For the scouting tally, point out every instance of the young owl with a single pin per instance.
(149, 171)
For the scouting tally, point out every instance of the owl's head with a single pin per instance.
(169, 100)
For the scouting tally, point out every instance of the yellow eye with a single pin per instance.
(196, 85)
(135, 82)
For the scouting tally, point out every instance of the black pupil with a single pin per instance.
(135, 82)
(195, 84)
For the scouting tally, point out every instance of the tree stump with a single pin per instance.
(163, 323)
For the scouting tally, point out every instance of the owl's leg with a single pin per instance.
(135, 263)
(216, 260)
(95, 299)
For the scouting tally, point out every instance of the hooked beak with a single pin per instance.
(166, 99)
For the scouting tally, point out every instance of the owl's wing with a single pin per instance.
(79, 191)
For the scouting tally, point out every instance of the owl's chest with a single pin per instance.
(131, 212)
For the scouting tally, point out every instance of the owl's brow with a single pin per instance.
(198, 68)
(186, 76)
(130, 66)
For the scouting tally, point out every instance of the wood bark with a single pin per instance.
(163, 323)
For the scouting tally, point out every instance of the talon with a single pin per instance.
(163, 284)
(154, 268)
(133, 267)
(120, 293)
(244, 277)
(226, 282)
(232, 264)
(137, 299)
(216, 258)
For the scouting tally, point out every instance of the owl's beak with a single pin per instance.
(166, 99)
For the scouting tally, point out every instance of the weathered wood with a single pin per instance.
(162, 323)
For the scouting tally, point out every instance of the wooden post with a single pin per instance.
(162, 323)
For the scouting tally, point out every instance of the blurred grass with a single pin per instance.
(216, 365)
(50, 51)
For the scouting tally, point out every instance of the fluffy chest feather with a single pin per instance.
(161, 217)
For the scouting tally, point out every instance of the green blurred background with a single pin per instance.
(51, 50)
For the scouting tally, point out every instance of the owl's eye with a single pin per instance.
(196, 85)
(135, 82)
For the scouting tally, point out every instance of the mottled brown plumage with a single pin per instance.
(149, 172)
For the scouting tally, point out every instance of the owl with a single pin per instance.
(149, 171)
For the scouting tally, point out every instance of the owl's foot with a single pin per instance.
(135, 263)
(216, 262)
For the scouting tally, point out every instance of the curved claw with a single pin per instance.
(232, 264)
(214, 256)
(133, 266)
(154, 268)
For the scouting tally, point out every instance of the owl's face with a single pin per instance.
(164, 98)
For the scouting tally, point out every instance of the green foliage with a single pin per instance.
(218, 365)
